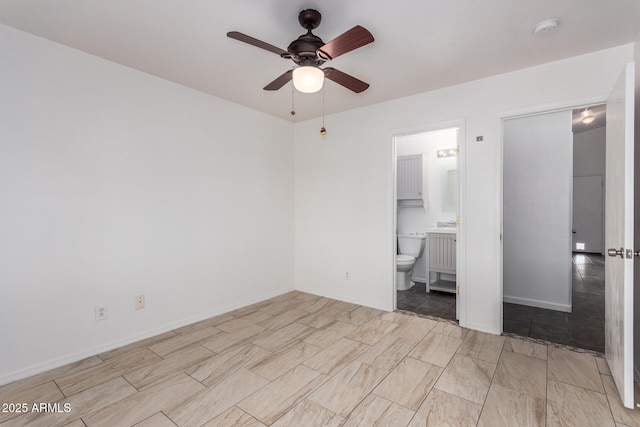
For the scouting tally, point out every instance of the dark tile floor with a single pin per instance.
(435, 303)
(582, 328)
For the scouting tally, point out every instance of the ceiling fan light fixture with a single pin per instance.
(587, 117)
(308, 79)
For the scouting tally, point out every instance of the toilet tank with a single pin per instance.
(412, 244)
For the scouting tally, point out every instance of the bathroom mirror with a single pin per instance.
(449, 190)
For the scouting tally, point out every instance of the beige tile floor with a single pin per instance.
(303, 360)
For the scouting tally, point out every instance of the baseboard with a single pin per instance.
(74, 357)
(537, 303)
(346, 298)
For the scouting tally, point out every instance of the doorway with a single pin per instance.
(429, 212)
(553, 263)
(619, 231)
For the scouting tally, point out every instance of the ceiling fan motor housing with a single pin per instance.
(304, 48)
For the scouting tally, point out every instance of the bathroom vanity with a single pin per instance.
(442, 258)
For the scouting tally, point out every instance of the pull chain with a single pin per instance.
(293, 110)
(323, 131)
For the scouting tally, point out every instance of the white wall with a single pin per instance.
(588, 152)
(343, 183)
(115, 183)
(537, 214)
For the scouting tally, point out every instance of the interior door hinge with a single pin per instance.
(457, 150)
(458, 220)
(457, 290)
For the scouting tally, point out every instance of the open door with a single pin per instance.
(588, 214)
(619, 235)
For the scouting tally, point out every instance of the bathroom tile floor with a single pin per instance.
(304, 360)
(434, 303)
(583, 328)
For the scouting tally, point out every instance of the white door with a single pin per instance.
(587, 214)
(619, 235)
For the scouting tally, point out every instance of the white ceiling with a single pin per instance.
(420, 45)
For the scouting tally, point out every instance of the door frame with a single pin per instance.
(517, 113)
(393, 208)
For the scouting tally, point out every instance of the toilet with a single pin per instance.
(411, 247)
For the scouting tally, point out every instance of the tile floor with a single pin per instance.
(434, 303)
(583, 328)
(303, 360)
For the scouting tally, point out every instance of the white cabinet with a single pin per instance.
(442, 259)
(410, 177)
(442, 252)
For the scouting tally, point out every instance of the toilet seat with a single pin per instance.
(404, 259)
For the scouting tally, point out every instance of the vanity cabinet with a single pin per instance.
(442, 252)
(410, 177)
(442, 259)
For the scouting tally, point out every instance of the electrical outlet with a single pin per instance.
(346, 275)
(101, 312)
(139, 302)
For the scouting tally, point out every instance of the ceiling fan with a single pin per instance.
(309, 52)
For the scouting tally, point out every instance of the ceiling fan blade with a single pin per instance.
(258, 43)
(354, 38)
(345, 80)
(280, 81)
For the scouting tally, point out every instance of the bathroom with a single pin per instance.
(427, 210)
